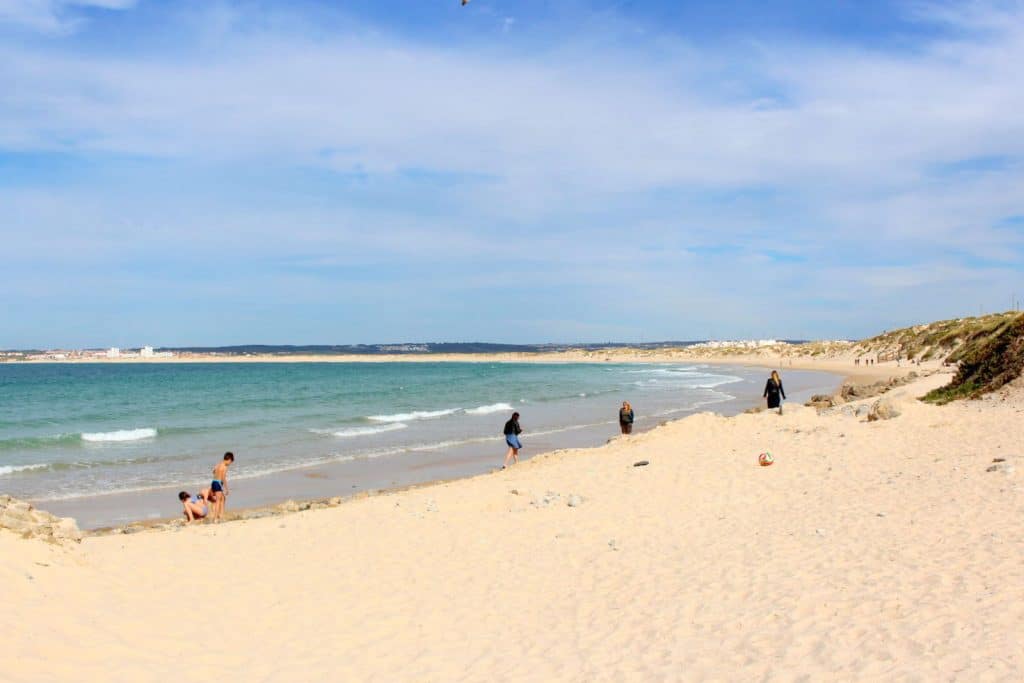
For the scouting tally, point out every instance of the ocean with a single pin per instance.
(113, 442)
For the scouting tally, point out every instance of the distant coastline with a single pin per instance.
(332, 352)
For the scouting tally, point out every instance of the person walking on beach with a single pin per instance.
(512, 432)
(626, 418)
(773, 390)
(219, 485)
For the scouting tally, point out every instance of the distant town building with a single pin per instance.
(146, 352)
(403, 348)
(113, 352)
(738, 343)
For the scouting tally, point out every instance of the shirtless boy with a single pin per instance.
(219, 485)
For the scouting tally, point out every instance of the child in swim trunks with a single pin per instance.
(219, 485)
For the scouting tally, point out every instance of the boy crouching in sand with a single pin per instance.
(196, 507)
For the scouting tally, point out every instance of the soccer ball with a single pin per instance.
(765, 459)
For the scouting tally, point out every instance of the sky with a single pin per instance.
(522, 171)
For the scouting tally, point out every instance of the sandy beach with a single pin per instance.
(868, 551)
(434, 342)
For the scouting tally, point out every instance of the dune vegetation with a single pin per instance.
(950, 340)
(988, 361)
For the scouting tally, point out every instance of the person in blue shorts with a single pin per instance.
(512, 432)
(219, 485)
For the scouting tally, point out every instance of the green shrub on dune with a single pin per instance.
(990, 357)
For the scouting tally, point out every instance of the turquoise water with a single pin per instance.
(69, 431)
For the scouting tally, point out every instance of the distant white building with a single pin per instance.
(113, 352)
(146, 352)
(738, 343)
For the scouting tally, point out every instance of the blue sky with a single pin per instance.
(255, 172)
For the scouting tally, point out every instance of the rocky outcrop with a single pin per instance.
(20, 517)
(855, 392)
(883, 409)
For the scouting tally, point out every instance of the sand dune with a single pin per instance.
(869, 551)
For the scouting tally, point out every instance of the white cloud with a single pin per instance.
(52, 16)
(624, 121)
(582, 162)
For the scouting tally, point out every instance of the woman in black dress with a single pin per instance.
(512, 432)
(626, 418)
(773, 391)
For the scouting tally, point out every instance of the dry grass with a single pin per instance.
(943, 340)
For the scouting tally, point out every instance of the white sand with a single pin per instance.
(869, 551)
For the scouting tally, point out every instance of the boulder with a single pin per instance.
(17, 525)
(883, 409)
(21, 518)
(20, 515)
(67, 530)
(821, 401)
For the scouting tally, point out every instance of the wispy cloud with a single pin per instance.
(53, 16)
(847, 168)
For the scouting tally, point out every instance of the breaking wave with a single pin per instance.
(414, 415)
(120, 435)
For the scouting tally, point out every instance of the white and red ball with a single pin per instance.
(765, 459)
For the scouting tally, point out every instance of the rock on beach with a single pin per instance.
(22, 518)
(883, 409)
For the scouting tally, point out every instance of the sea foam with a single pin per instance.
(414, 415)
(11, 469)
(487, 410)
(120, 435)
(362, 431)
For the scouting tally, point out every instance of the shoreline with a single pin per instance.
(794, 359)
(841, 364)
(461, 468)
